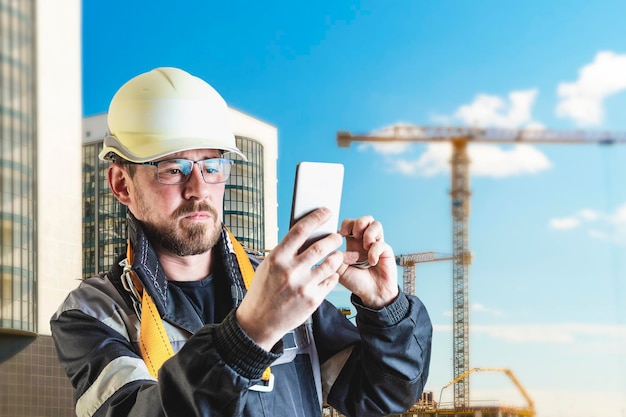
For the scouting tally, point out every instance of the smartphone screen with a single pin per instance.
(317, 184)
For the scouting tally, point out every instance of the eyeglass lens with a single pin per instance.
(178, 171)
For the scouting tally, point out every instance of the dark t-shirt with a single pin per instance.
(209, 297)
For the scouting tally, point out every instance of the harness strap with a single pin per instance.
(154, 344)
(247, 273)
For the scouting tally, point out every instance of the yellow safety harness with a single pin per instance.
(154, 344)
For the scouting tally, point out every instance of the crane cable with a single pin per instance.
(614, 256)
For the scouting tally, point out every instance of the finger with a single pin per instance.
(325, 274)
(373, 234)
(320, 249)
(302, 229)
(350, 257)
(360, 225)
(328, 284)
(343, 268)
(346, 227)
(365, 229)
(378, 250)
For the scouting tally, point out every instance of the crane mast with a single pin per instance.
(408, 261)
(408, 275)
(460, 195)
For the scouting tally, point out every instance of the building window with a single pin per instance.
(104, 218)
(244, 196)
(18, 291)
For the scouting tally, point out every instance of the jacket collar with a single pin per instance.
(150, 272)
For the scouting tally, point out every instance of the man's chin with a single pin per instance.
(201, 239)
(193, 251)
(189, 247)
(187, 240)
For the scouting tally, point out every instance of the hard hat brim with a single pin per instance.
(155, 149)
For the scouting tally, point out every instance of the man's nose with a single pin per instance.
(196, 186)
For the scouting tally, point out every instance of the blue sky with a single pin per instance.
(548, 223)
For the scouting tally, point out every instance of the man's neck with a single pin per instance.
(186, 268)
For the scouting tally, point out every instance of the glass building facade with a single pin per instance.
(104, 218)
(40, 114)
(18, 287)
(243, 200)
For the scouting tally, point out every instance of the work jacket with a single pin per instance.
(375, 368)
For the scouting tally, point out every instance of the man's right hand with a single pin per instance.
(286, 289)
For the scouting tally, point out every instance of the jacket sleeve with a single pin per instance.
(383, 363)
(210, 375)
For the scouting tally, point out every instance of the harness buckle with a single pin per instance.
(127, 282)
(290, 341)
(264, 386)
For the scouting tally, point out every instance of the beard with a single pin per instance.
(193, 239)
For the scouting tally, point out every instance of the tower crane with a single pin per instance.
(407, 262)
(460, 137)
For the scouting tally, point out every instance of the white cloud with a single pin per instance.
(486, 160)
(558, 333)
(572, 222)
(583, 100)
(477, 307)
(492, 111)
(493, 161)
(481, 308)
(598, 225)
(619, 216)
(435, 160)
(392, 147)
(598, 234)
(589, 214)
(564, 223)
(387, 148)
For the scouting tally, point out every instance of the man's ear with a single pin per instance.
(119, 181)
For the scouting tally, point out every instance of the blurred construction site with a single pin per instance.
(460, 138)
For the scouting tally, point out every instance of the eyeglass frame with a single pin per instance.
(222, 162)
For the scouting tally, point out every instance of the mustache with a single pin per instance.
(192, 208)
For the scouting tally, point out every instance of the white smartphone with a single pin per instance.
(317, 184)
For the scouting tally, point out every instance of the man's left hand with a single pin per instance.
(376, 285)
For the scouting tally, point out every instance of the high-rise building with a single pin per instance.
(40, 196)
(18, 162)
(250, 199)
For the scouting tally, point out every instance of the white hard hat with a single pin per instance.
(164, 111)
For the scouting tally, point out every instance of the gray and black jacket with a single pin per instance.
(376, 368)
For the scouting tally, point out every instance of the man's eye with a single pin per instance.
(171, 169)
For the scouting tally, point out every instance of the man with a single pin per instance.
(225, 346)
